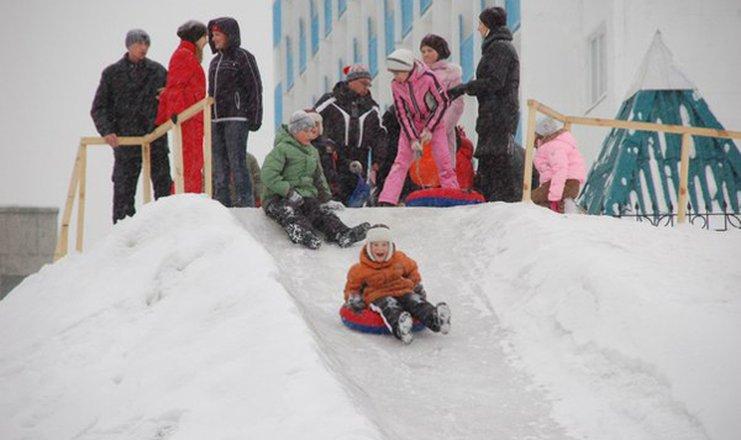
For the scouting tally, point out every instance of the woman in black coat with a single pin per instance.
(496, 89)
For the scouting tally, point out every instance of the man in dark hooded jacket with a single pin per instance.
(234, 83)
(125, 104)
(496, 89)
(353, 121)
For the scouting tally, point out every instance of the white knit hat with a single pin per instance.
(400, 60)
(546, 126)
(378, 233)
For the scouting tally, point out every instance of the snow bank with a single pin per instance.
(635, 330)
(174, 327)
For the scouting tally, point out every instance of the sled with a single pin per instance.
(443, 197)
(368, 321)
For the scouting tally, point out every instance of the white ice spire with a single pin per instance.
(658, 71)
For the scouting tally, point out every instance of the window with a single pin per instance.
(341, 7)
(278, 99)
(407, 16)
(289, 63)
(277, 21)
(424, 5)
(357, 53)
(341, 65)
(327, 84)
(372, 47)
(327, 17)
(314, 27)
(301, 45)
(389, 25)
(513, 14)
(597, 66)
(465, 32)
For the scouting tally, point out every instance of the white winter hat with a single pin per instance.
(546, 126)
(378, 233)
(300, 121)
(400, 60)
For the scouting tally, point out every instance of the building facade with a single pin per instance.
(314, 39)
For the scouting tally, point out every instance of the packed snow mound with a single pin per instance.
(173, 327)
(190, 322)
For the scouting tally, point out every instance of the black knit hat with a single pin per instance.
(493, 17)
(192, 31)
(438, 44)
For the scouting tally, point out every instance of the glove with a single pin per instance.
(355, 302)
(457, 91)
(417, 147)
(419, 289)
(294, 198)
(332, 205)
(554, 207)
(426, 137)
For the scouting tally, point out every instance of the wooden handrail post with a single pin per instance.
(527, 176)
(147, 172)
(81, 199)
(178, 146)
(684, 169)
(63, 239)
(207, 170)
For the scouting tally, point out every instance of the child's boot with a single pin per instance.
(442, 317)
(352, 235)
(404, 328)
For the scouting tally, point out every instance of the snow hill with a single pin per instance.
(191, 321)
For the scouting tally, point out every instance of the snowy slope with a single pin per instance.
(184, 325)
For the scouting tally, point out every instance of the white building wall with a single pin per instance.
(703, 37)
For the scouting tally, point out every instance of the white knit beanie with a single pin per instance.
(379, 233)
(546, 126)
(400, 60)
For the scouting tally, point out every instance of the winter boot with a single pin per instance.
(352, 235)
(303, 236)
(442, 317)
(404, 328)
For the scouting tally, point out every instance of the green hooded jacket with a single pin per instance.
(291, 165)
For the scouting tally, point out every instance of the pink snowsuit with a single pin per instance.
(450, 75)
(559, 160)
(420, 103)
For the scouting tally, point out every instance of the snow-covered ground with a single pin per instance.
(191, 322)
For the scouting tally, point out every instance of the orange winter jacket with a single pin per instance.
(374, 280)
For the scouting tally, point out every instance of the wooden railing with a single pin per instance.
(535, 107)
(79, 172)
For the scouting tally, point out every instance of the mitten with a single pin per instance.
(294, 198)
(419, 289)
(355, 302)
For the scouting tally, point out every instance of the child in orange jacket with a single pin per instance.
(387, 281)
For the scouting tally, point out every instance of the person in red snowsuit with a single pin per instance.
(186, 85)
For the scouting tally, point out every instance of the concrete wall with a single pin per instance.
(27, 240)
(703, 36)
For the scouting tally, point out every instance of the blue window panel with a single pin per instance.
(407, 16)
(314, 28)
(301, 45)
(466, 50)
(289, 63)
(424, 5)
(389, 25)
(513, 14)
(341, 7)
(372, 48)
(518, 135)
(327, 17)
(340, 73)
(277, 22)
(357, 55)
(278, 100)
(327, 84)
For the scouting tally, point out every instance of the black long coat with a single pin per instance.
(126, 100)
(496, 89)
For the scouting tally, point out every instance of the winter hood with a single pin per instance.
(230, 27)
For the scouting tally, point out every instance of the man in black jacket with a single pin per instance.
(353, 121)
(125, 104)
(496, 89)
(234, 83)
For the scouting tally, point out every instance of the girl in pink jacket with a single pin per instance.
(559, 163)
(421, 102)
(435, 51)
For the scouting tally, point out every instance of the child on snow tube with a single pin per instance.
(387, 281)
(559, 163)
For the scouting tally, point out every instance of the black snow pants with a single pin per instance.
(391, 307)
(495, 178)
(126, 168)
(309, 217)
